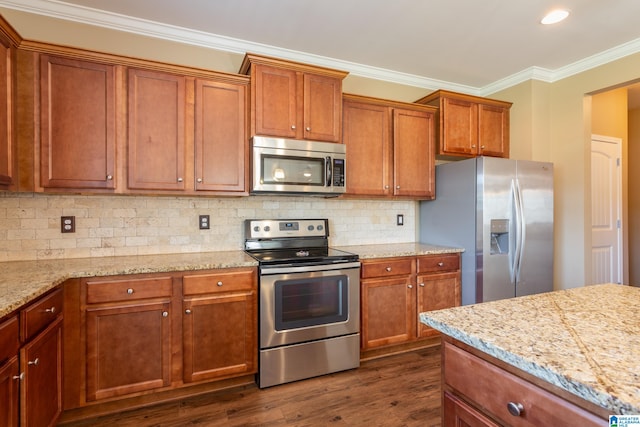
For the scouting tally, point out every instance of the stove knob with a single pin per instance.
(310, 228)
(267, 228)
(256, 228)
(320, 227)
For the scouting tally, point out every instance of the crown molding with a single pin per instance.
(89, 16)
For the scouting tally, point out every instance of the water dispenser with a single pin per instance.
(499, 236)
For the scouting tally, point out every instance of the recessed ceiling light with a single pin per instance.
(554, 16)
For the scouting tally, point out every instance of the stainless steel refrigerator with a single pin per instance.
(501, 212)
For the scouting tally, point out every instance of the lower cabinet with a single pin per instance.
(9, 372)
(395, 290)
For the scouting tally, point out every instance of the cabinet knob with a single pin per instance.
(410, 286)
(397, 187)
(34, 362)
(293, 127)
(515, 409)
(18, 377)
(422, 285)
(386, 187)
(179, 179)
(187, 311)
(165, 314)
(482, 146)
(308, 129)
(109, 177)
(441, 264)
(219, 283)
(199, 180)
(51, 310)
(388, 268)
(130, 291)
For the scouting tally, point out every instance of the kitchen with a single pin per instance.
(140, 225)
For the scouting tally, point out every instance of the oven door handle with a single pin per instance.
(306, 268)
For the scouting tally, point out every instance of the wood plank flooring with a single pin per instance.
(394, 391)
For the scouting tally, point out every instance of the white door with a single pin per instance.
(606, 209)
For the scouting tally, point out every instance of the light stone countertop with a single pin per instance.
(398, 249)
(24, 281)
(584, 340)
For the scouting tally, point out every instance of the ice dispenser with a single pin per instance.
(499, 236)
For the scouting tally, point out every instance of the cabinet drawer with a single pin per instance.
(40, 314)
(493, 388)
(223, 281)
(387, 267)
(101, 290)
(9, 343)
(436, 263)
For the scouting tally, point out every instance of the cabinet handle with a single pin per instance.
(187, 311)
(293, 127)
(515, 409)
(109, 177)
(388, 268)
(308, 129)
(441, 264)
(422, 285)
(199, 180)
(165, 314)
(219, 283)
(410, 286)
(51, 310)
(180, 179)
(34, 362)
(130, 291)
(18, 377)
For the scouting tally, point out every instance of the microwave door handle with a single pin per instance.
(328, 170)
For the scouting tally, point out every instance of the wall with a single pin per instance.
(633, 230)
(130, 225)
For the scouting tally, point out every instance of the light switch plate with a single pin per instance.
(400, 219)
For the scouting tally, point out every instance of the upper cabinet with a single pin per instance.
(390, 148)
(9, 39)
(470, 126)
(292, 100)
(78, 123)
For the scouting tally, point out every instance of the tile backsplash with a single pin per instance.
(138, 225)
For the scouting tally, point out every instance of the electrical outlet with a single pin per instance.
(203, 222)
(399, 219)
(67, 224)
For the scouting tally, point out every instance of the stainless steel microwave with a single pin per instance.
(297, 167)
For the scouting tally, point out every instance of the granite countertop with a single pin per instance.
(23, 281)
(585, 340)
(398, 249)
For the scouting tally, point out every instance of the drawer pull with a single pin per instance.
(130, 291)
(410, 286)
(388, 268)
(187, 311)
(422, 285)
(515, 409)
(18, 377)
(441, 264)
(165, 314)
(51, 310)
(219, 283)
(34, 362)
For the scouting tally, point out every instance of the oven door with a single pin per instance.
(300, 304)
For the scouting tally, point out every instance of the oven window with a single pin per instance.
(311, 302)
(292, 170)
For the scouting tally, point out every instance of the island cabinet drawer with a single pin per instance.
(492, 390)
(128, 289)
(9, 341)
(40, 314)
(387, 267)
(225, 280)
(437, 263)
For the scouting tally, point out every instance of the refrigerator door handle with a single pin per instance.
(517, 220)
(520, 230)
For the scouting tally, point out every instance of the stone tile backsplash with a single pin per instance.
(135, 225)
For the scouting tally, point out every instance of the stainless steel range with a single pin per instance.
(309, 300)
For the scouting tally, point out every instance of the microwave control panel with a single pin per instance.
(338, 172)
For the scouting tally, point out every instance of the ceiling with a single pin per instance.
(466, 45)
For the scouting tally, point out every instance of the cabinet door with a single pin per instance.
(41, 361)
(322, 108)
(78, 115)
(459, 127)
(128, 349)
(366, 134)
(220, 336)
(456, 413)
(435, 292)
(9, 381)
(493, 130)
(413, 153)
(157, 104)
(6, 113)
(275, 102)
(388, 311)
(220, 136)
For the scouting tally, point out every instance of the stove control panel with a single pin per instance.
(279, 228)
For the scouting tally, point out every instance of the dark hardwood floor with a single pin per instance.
(395, 391)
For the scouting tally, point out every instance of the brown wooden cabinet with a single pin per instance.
(390, 148)
(395, 290)
(78, 123)
(220, 324)
(128, 335)
(470, 126)
(9, 39)
(478, 392)
(292, 100)
(9, 372)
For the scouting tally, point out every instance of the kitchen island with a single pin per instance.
(581, 345)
